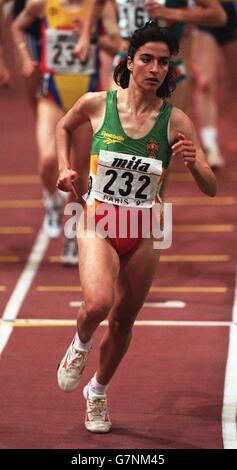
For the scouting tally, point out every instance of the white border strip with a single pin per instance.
(229, 410)
(23, 285)
(166, 304)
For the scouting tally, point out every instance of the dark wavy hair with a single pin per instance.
(150, 32)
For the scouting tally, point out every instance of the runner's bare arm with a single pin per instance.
(32, 10)
(4, 72)
(89, 107)
(186, 145)
(206, 13)
(93, 14)
(110, 41)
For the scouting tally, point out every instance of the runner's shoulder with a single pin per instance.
(179, 117)
(180, 122)
(94, 99)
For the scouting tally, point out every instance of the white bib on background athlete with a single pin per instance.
(59, 56)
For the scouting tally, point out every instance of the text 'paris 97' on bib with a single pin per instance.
(126, 180)
(59, 53)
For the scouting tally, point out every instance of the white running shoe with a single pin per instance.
(69, 256)
(53, 214)
(71, 367)
(52, 222)
(214, 158)
(97, 416)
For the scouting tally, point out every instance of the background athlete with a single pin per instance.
(64, 79)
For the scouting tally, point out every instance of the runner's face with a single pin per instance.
(150, 65)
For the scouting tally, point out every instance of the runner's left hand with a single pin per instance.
(185, 149)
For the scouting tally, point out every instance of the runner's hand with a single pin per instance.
(154, 9)
(28, 68)
(82, 49)
(66, 181)
(161, 12)
(185, 149)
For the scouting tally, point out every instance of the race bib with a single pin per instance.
(131, 17)
(59, 56)
(134, 16)
(125, 180)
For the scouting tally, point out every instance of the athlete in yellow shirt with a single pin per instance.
(65, 79)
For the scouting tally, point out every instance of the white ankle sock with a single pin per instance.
(95, 388)
(80, 345)
(53, 199)
(209, 137)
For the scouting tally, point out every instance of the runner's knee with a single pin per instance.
(205, 84)
(121, 326)
(99, 306)
(48, 164)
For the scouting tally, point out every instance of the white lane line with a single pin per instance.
(32, 322)
(166, 304)
(229, 410)
(23, 284)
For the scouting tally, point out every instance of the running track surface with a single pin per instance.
(169, 390)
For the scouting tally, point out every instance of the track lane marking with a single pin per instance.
(182, 228)
(163, 259)
(188, 289)
(204, 201)
(9, 259)
(176, 258)
(22, 286)
(21, 204)
(166, 304)
(229, 410)
(19, 179)
(195, 258)
(209, 228)
(15, 230)
(24, 322)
